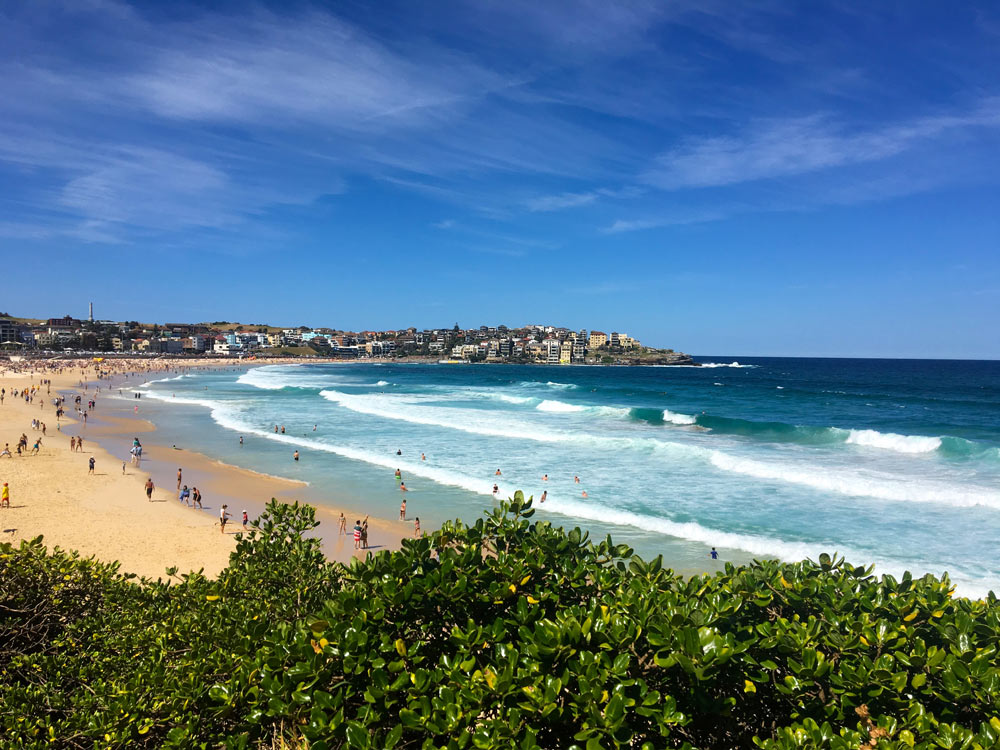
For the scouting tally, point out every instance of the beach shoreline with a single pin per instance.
(106, 514)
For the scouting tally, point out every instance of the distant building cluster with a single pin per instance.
(533, 343)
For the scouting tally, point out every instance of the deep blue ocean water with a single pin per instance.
(893, 462)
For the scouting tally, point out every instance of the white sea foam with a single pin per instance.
(382, 382)
(560, 407)
(562, 386)
(675, 418)
(860, 484)
(893, 442)
(726, 364)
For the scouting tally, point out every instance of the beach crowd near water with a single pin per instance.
(79, 495)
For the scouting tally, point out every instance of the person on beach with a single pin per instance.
(241, 440)
(423, 457)
(149, 489)
(583, 494)
(364, 533)
(576, 479)
(36, 446)
(223, 517)
(399, 452)
(357, 534)
(91, 464)
(282, 429)
(416, 527)
(246, 519)
(545, 495)
(402, 487)
(5, 496)
(185, 496)
(545, 478)
(196, 498)
(714, 554)
(399, 476)
(342, 528)
(497, 473)
(6, 451)
(123, 468)
(402, 511)
(295, 455)
(79, 444)
(178, 477)
(495, 490)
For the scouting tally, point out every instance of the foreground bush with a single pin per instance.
(503, 634)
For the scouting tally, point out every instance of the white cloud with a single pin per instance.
(780, 148)
(559, 202)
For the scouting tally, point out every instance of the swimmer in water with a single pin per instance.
(495, 489)
(545, 478)
(576, 479)
(295, 455)
(402, 486)
(545, 494)
(584, 493)
(423, 457)
(498, 473)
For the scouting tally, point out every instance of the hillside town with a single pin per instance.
(543, 344)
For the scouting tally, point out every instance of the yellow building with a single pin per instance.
(566, 353)
(597, 340)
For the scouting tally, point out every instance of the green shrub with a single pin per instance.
(506, 633)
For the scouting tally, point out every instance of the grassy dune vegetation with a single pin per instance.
(503, 634)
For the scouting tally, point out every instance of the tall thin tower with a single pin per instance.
(91, 312)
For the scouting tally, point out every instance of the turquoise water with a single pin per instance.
(885, 461)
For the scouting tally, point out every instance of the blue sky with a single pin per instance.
(723, 178)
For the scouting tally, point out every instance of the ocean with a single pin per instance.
(891, 462)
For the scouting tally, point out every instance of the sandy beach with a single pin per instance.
(106, 514)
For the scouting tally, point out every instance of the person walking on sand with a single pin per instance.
(364, 533)
(149, 489)
(416, 527)
(178, 478)
(91, 463)
(5, 496)
(223, 517)
(79, 444)
(123, 468)
(402, 511)
(196, 498)
(342, 529)
(185, 496)
(357, 534)
(36, 446)
(246, 519)
(6, 451)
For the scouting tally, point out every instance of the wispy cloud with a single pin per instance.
(559, 202)
(780, 148)
(671, 218)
